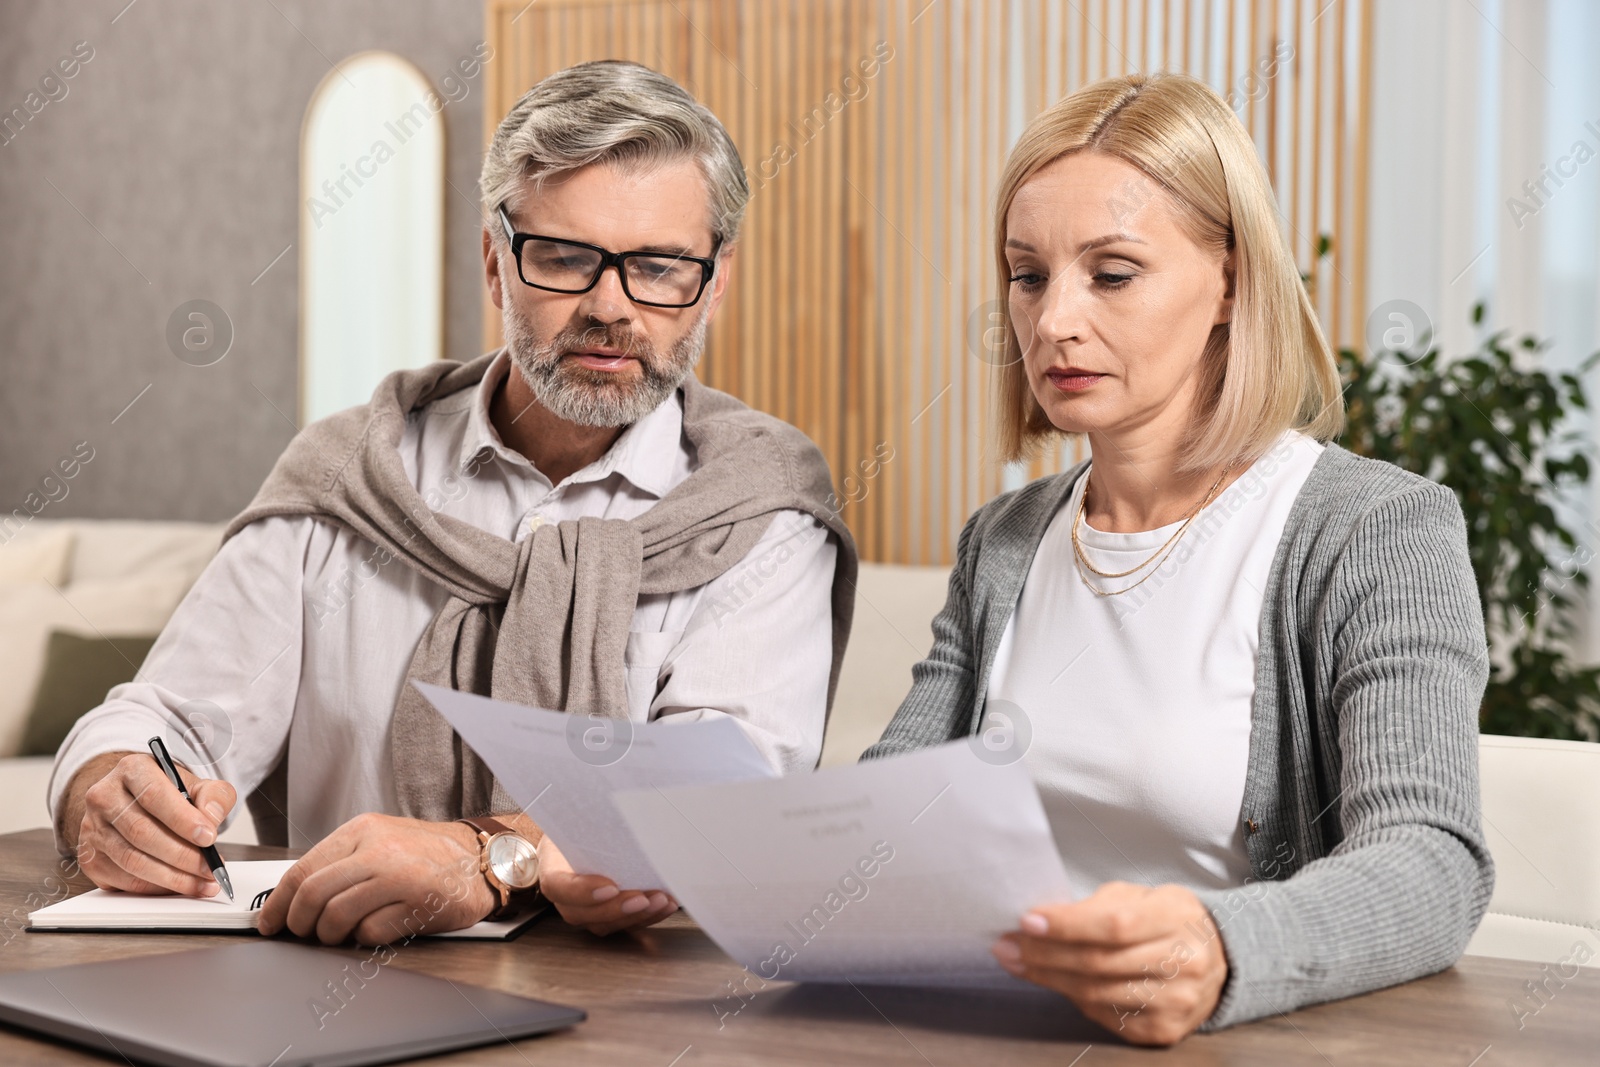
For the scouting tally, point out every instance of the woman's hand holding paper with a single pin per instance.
(1145, 963)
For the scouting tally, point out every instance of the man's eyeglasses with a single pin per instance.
(659, 279)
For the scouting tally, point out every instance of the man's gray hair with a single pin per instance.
(611, 111)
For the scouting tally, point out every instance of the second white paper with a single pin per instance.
(564, 770)
(902, 870)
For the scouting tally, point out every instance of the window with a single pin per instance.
(371, 230)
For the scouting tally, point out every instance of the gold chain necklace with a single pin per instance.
(1163, 552)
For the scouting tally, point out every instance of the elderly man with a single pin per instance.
(571, 521)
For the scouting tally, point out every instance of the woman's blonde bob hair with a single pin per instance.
(1268, 370)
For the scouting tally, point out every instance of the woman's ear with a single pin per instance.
(1225, 305)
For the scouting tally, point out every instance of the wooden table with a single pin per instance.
(666, 998)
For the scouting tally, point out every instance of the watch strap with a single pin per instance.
(485, 825)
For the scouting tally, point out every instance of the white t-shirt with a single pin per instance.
(1135, 709)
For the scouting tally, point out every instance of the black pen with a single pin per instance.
(209, 853)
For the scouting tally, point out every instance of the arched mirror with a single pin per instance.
(371, 230)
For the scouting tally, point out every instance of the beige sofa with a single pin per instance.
(94, 578)
(1541, 816)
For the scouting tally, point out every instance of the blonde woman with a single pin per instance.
(1242, 664)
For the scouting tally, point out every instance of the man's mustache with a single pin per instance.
(626, 341)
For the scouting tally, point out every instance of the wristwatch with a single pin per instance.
(508, 861)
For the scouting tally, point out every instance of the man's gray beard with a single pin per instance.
(597, 398)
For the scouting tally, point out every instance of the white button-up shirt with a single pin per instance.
(296, 635)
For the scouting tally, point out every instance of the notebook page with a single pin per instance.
(109, 909)
(102, 909)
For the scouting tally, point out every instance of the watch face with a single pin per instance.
(514, 860)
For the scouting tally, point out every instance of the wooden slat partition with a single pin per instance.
(864, 285)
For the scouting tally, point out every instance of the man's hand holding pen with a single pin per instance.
(139, 833)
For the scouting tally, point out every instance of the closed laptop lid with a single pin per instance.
(267, 1004)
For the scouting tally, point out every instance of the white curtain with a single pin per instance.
(1485, 180)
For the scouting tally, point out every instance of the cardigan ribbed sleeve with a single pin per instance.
(1401, 669)
(1368, 861)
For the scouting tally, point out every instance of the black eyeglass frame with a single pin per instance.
(707, 265)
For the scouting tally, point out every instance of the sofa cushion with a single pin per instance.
(46, 556)
(78, 672)
(120, 548)
(124, 607)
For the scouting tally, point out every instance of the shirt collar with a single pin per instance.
(644, 454)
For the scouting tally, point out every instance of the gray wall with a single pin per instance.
(167, 173)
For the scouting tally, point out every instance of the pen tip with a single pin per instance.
(224, 881)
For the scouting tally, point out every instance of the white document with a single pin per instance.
(564, 770)
(902, 870)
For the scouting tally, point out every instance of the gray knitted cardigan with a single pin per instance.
(1361, 806)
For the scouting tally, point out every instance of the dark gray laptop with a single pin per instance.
(267, 1004)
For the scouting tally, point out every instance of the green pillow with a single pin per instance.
(78, 672)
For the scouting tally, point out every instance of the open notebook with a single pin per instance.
(102, 909)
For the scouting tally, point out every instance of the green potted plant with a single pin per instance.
(1495, 429)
